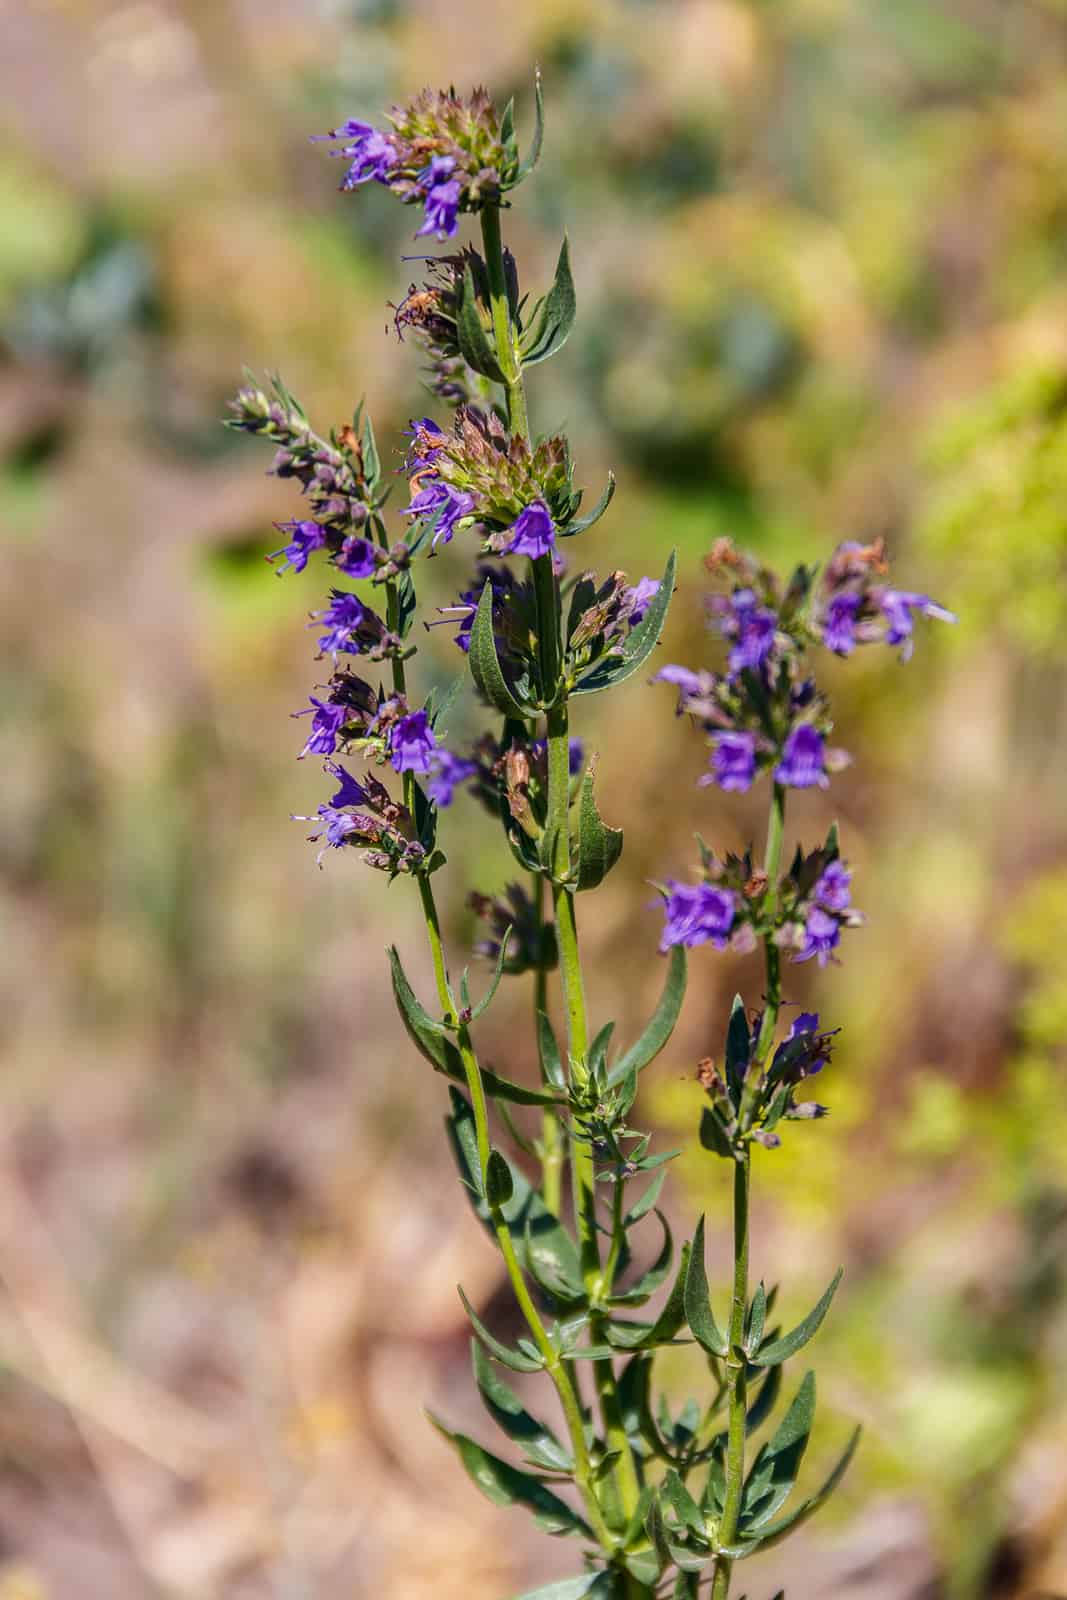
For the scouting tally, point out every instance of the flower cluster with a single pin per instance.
(430, 313)
(749, 1098)
(353, 628)
(354, 714)
(478, 476)
(364, 815)
(764, 713)
(443, 152)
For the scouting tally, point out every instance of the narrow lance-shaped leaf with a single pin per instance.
(737, 1049)
(474, 343)
(661, 1024)
(533, 155)
(494, 983)
(553, 1259)
(485, 663)
(639, 643)
(774, 1532)
(599, 847)
(499, 1184)
(775, 1469)
(553, 318)
(512, 1417)
(548, 1051)
(515, 1359)
(650, 1281)
(698, 1301)
(638, 1336)
(757, 1318)
(505, 1485)
(781, 1349)
(583, 524)
(682, 1503)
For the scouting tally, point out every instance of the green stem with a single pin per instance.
(735, 1382)
(506, 353)
(552, 1152)
(735, 1358)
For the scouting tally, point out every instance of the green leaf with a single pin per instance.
(552, 1259)
(714, 1135)
(449, 700)
(649, 1282)
(788, 1345)
(515, 1359)
(738, 1047)
(525, 1203)
(641, 1336)
(494, 983)
(499, 1185)
(775, 1469)
(774, 1532)
(471, 332)
(548, 1052)
(662, 1022)
(372, 467)
(766, 1400)
(582, 524)
(646, 1202)
(485, 663)
(553, 318)
(599, 847)
(533, 155)
(592, 1586)
(682, 1503)
(598, 1050)
(517, 1094)
(509, 1414)
(698, 1302)
(429, 1036)
(505, 1485)
(639, 643)
(756, 1318)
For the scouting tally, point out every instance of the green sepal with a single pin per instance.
(599, 847)
(639, 643)
(533, 155)
(698, 1310)
(649, 1282)
(505, 1485)
(472, 334)
(553, 317)
(781, 1349)
(485, 663)
(510, 1415)
(642, 1336)
(774, 1471)
(515, 1359)
(582, 524)
(661, 1023)
(774, 1532)
(499, 1184)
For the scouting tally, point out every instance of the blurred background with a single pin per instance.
(820, 251)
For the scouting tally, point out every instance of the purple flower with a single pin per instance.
(804, 1022)
(532, 533)
(752, 627)
(821, 936)
(306, 537)
(897, 608)
(447, 772)
(327, 721)
(440, 501)
(811, 1055)
(357, 557)
(696, 914)
(803, 762)
(350, 793)
(337, 825)
(733, 761)
(411, 743)
(372, 153)
(833, 891)
(342, 617)
(839, 624)
(575, 754)
(442, 198)
(638, 599)
(684, 678)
